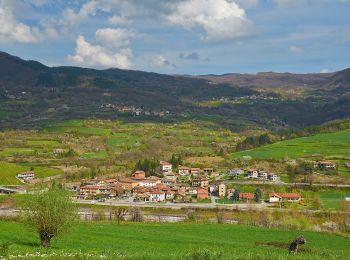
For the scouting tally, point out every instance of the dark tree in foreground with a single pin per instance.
(257, 195)
(49, 213)
(235, 196)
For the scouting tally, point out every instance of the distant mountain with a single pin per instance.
(271, 79)
(340, 81)
(32, 94)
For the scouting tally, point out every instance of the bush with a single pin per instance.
(204, 254)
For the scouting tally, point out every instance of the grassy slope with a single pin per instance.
(333, 144)
(157, 241)
(8, 172)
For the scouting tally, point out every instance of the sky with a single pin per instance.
(180, 36)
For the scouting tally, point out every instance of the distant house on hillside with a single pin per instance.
(235, 172)
(165, 167)
(139, 175)
(202, 193)
(92, 190)
(263, 175)
(253, 174)
(246, 196)
(195, 170)
(183, 171)
(325, 165)
(200, 181)
(279, 197)
(273, 177)
(26, 176)
(222, 190)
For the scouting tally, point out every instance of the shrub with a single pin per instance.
(204, 254)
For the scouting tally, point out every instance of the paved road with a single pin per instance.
(118, 203)
(6, 190)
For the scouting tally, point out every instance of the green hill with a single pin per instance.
(321, 145)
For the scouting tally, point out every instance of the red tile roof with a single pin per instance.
(246, 195)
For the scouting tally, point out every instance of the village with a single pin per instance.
(133, 110)
(186, 185)
(183, 184)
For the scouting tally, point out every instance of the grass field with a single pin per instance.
(172, 241)
(330, 199)
(8, 172)
(323, 145)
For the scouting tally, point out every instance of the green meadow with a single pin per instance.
(330, 199)
(8, 172)
(177, 241)
(322, 145)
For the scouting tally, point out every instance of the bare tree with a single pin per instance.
(120, 213)
(49, 213)
(136, 214)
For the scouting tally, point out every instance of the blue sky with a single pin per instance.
(180, 36)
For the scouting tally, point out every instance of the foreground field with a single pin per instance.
(174, 241)
(323, 145)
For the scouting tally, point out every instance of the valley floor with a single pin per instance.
(175, 241)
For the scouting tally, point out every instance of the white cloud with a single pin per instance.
(325, 71)
(220, 19)
(12, 30)
(87, 54)
(70, 18)
(295, 49)
(117, 20)
(161, 61)
(114, 37)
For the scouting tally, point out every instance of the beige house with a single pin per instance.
(222, 190)
(200, 181)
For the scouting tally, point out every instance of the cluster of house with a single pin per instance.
(255, 174)
(136, 111)
(153, 188)
(273, 197)
(26, 176)
(325, 165)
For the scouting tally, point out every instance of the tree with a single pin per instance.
(235, 195)
(120, 213)
(135, 214)
(316, 202)
(257, 195)
(49, 213)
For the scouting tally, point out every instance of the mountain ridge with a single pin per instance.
(31, 92)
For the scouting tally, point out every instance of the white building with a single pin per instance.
(156, 195)
(235, 172)
(262, 175)
(148, 183)
(26, 175)
(253, 174)
(273, 177)
(165, 167)
(184, 171)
